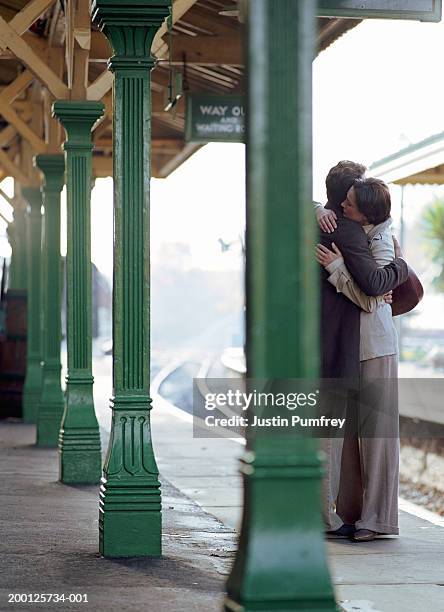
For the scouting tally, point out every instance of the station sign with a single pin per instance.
(419, 10)
(213, 118)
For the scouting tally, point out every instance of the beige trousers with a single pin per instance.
(362, 471)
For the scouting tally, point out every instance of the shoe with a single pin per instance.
(345, 531)
(364, 535)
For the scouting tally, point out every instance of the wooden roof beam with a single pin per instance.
(6, 135)
(27, 152)
(221, 26)
(52, 127)
(188, 150)
(104, 126)
(78, 43)
(9, 133)
(102, 166)
(199, 19)
(5, 196)
(168, 146)
(208, 50)
(69, 41)
(203, 50)
(180, 7)
(9, 39)
(216, 77)
(174, 123)
(198, 82)
(29, 15)
(22, 105)
(56, 32)
(103, 123)
(22, 127)
(37, 44)
(430, 176)
(12, 169)
(100, 50)
(101, 86)
(16, 87)
(8, 95)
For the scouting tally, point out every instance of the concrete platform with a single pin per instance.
(390, 574)
(49, 542)
(49, 533)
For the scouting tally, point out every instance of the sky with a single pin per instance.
(202, 201)
(375, 90)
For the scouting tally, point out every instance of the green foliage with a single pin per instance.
(433, 221)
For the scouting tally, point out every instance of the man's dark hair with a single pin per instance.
(339, 180)
(373, 199)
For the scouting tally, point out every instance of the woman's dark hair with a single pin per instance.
(339, 180)
(373, 199)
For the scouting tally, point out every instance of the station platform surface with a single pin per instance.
(49, 542)
(390, 574)
(49, 539)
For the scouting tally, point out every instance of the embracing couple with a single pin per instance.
(361, 265)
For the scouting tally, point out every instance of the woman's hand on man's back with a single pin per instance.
(327, 220)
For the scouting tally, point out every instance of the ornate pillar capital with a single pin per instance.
(131, 26)
(52, 167)
(78, 119)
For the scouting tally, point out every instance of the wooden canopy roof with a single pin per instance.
(47, 51)
(421, 163)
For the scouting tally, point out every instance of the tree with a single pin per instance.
(434, 232)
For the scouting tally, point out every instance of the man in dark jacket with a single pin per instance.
(340, 317)
(340, 327)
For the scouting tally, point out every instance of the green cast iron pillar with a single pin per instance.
(130, 505)
(280, 564)
(33, 381)
(51, 402)
(79, 442)
(18, 277)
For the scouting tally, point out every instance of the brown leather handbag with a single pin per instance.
(407, 295)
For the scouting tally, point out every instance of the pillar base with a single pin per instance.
(280, 564)
(306, 605)
(130, 501)
(30, 405)
(48, 424)
(31, 393)
(130, 519)
(80, 458)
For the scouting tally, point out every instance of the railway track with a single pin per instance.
(422, 458)
(174, 383)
